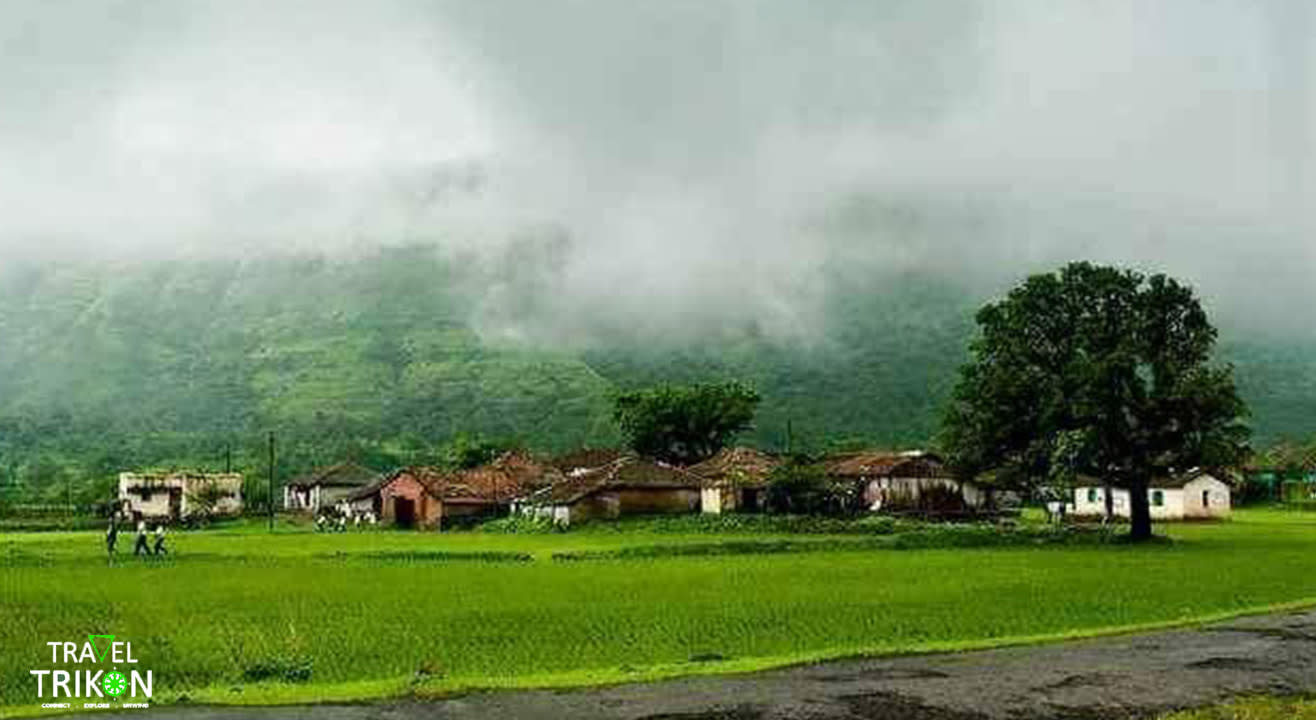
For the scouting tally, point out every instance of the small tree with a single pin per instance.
(684, 425)
(205, 501)
(466, 451)
(1097, 371)
(802, 487)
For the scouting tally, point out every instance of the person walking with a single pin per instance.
(112, 536)
(140, 547)
(159, 548)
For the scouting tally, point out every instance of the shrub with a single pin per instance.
(802, 487)
(970, 536)
(296, 669)
(709, 524)
(930, 537)
(521, 524)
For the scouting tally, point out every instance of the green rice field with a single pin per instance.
(241, 616)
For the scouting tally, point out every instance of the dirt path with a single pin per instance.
(1120, 677)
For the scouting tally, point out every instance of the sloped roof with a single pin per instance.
(886, 464)
(625, 472)
(430, 478)
(340, 475)
(1165, 482)
(1178, 480)
(739, 465)
(586, 459)
(510, 475)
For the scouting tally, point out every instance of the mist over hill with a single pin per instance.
(379, 357)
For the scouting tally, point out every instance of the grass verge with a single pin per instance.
(420, 686)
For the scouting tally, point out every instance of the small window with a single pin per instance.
(1092, 495)
(1206, 498)
(1158, 498)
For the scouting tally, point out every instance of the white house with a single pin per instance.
(1194, 494)
(176, 495)
(326, 487)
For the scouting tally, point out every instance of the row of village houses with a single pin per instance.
(590, 484)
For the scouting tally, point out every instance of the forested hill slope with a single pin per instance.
(105, 367)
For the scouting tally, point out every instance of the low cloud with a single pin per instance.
(673, 167)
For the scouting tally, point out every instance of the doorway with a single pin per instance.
(750, 501)
(404, 512)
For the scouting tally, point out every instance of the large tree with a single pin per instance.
(1096, 371)
(684, 424)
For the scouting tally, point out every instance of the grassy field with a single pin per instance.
(241, 617)
(1258, 708)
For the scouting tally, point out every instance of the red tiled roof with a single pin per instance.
(739, 465)
(625, 472)
(510, 475)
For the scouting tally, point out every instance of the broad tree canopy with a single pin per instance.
(1095, 370)
(685, 425)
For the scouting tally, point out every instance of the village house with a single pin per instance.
(326, 487)
(1189, 495)
(409, 497)
(889, 479)
(490, 489)
(735, 479)
(178, 495)
(628, 485)
(424, 497)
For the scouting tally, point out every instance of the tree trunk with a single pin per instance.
(1140, 526)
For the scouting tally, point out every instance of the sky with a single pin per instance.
(674, 164)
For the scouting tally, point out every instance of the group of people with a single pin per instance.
(141, 547)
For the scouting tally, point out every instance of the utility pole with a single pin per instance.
(270, 498)
(790, 438)
(228, 458)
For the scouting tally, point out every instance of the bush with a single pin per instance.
(801, 487)
(50, 523)
(971, 536)
(1254, 490)
(1296, 491)
(280, 669)
(521, 524)
(930, 537)
(708, 524)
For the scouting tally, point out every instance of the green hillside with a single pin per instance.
(110, 366)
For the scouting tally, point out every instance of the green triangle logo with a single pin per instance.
(109, 639)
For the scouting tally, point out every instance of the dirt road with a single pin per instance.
(1119, 677)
